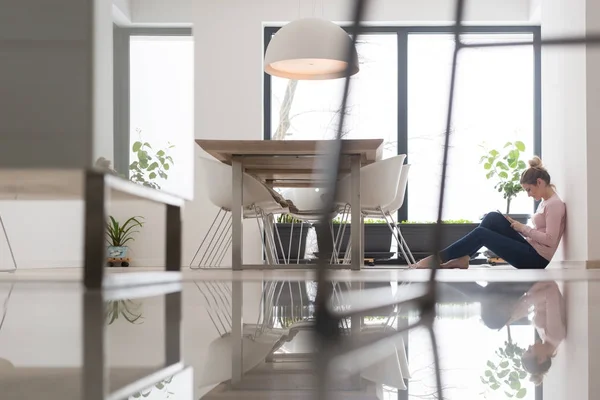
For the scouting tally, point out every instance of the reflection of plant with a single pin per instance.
(162, 386)
(127, 308)
(506, 168)
(507, 372)
(150, 164)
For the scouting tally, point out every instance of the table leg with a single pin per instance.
(356, 215)
(237, 345)
(237, 186)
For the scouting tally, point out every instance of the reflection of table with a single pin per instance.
(292, 163)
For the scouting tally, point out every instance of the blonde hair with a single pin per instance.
(535, 171)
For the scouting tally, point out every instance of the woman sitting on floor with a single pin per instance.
(522, 246)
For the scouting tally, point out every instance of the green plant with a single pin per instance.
(506, 168)
(288, 219)
(507, 371)
(119, 234)
(338, 220)
(127, 308)
(150, 165)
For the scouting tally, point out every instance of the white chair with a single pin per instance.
(387, 212)
(308, 207)
(257, 201)
(378, 189)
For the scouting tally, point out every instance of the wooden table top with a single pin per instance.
(290, 163)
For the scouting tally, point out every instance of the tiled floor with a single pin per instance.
(41, 336)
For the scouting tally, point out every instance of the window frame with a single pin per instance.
(121, 89)
(403, 33)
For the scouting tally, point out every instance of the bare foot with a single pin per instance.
(425, 263)
(460, 263)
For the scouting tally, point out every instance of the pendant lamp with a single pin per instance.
(310, 49)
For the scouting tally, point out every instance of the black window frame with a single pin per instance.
(403, 33)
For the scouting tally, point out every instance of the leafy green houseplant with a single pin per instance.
(505, 168)
(151, 166)
(117, 237)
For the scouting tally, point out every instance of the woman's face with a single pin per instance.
(536, 191)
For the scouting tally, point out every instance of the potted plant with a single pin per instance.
(505, 168)
(117, 236)
(377, 235)
(292, 241)
(419, 236)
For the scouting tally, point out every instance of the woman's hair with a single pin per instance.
(537, 371)
(535, 171)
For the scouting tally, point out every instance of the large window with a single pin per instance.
(493, 104)
(154, 105)
(401, 96)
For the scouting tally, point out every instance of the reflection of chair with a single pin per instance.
(378, 189)
(257, 203)
(12, 255)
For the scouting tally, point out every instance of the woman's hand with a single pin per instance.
(516, 225)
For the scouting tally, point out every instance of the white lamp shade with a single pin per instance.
(310, 49)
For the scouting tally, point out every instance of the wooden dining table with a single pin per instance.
(292, 163)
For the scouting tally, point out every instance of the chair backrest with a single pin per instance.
(218, 178)
(378, 183)
(400, 192)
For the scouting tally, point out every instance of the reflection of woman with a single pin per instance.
(549, 320)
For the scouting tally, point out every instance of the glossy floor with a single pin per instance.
(486, 323)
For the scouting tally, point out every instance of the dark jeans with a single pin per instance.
(495, 233)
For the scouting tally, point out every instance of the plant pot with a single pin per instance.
(287, 234)
(420, 237)
(378, 239)
(116, 256)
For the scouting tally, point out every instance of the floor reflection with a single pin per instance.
(495, 340)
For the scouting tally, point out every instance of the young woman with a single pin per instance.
(522, 246)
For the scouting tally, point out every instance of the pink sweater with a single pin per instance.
(548, 227)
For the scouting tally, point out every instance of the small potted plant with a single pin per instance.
(292, 241)
(505, 167)
(377, 236)
(117, 236)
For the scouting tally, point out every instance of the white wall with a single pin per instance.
(570, 82)
(593, 126)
